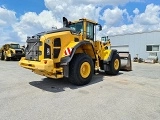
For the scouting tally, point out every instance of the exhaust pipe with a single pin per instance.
(126, 63)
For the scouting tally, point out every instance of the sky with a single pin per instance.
(22, 18)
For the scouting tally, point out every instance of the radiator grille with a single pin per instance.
(32, 49)
(18, 51)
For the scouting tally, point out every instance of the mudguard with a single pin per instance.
(110, 56)
(65, 60)
(104, 64)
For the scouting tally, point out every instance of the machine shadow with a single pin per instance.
(59, 85)
(104, 74)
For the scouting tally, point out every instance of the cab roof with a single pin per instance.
(85, 19)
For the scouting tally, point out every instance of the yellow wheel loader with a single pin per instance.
(71, 52)
(11, 51)
(125, 56)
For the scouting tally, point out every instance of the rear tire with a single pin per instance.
(114, 65)
(81, 69)
(6, 58)
(2, 57)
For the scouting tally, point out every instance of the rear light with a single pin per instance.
(45, 61)
(40, 52)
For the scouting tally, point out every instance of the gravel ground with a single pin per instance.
(133, 95)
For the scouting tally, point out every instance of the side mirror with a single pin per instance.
(100, 27)
(65, 22)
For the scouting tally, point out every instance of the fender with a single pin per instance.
(110, 56)
(105, 64)
(65, 61)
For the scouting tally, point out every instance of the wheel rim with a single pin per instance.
(85, 69)
(116, 64)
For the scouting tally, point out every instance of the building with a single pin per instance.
(141, 44)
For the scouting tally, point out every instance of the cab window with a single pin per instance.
(15, 46)
(78, 27)
(90, 31)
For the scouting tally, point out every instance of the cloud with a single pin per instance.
(7, 17)
(149, 20)
(81, 8)
(115, 18)
(32, 23)
(72, 10)
(94, 2)
(136, 11)
(151, 16)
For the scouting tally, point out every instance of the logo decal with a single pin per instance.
(48, 51)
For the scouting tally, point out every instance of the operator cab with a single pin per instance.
(84, 26)
(15, 46)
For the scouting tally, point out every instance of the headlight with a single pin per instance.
(11, 51)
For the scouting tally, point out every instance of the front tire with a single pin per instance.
(114, 65)
(81, 69)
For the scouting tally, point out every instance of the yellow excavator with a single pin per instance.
(71, 52)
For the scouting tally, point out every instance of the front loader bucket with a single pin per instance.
(126, 63)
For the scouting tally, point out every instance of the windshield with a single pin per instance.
(15, 46)
(78, 27)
